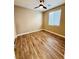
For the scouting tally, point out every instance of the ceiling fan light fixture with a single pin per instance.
(41, 7)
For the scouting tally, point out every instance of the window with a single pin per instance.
(54, 18)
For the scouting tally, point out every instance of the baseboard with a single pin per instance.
(27, 33)
(39, 30)
(54, 33)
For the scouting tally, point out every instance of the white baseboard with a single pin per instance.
(27, 33)
(54, 33)
(39, 30)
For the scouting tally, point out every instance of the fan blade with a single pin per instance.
(44, 7)
(37, 7)
(41, 1)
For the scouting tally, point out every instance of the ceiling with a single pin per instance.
(33, 3)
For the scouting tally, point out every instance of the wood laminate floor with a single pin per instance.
(39, 45)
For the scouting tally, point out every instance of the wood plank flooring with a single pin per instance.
(39, 45)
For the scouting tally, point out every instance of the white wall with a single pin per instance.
(27, 20)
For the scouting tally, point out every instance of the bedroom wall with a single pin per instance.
(27, 20)
(57, 29)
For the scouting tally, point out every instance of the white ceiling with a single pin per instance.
(33, 3)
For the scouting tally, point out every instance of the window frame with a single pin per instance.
(59, 19)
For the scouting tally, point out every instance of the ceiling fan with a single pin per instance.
(41, 5)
